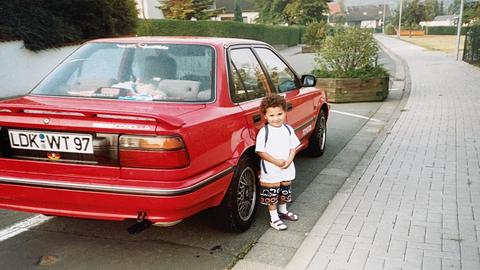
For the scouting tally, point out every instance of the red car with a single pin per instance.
(159, 128)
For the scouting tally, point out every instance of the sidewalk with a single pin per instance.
(413, 200)
(416, 205)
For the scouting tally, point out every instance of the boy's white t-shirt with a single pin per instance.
(278, 145)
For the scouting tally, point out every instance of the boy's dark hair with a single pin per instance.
(272, 101)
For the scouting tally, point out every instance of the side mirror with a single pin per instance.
(308, 80)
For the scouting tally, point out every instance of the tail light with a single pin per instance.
(158, 152)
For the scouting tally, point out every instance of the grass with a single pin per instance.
(443, 43)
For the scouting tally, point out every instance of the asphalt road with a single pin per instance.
(196, 243)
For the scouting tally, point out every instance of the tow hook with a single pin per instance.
(141, 224)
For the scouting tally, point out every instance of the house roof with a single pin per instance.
(444, 18)
(366, 13)
(246, 5)
(333, 8)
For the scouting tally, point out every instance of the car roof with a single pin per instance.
(215, 41)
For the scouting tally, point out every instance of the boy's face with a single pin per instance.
(275, 116)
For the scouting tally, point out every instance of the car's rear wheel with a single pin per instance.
(318, 138)
(238, 207)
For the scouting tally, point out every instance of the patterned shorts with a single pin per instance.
(272, 195)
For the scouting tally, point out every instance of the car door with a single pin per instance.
(284, 81)
(248, 84)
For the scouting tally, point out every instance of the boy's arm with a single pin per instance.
(289, 161)
(266, 156)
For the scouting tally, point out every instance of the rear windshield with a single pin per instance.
(158, 72)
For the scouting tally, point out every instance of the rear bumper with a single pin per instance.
(112, 202)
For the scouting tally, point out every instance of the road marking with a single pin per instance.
(22, 226)
(356, 115)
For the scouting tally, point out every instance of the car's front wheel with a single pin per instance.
(238, 207)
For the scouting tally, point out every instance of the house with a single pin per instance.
(334, 11)
(444, 20)
(249, 11)
(368, 16)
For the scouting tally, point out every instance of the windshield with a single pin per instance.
(159, 72)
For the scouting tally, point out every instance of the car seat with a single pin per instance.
(158, 68)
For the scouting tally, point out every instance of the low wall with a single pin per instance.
(22, 69)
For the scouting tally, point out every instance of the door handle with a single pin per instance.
(256, 118)
(289, 106)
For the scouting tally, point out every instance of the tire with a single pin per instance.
(237, 210)
(318, 138)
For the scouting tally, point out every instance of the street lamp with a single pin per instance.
(400, 19)
(459, 28)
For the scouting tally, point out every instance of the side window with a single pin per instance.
(282, 77)
(249, 81)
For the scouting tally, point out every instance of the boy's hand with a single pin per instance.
(287, 164)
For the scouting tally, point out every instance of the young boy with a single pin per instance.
(276, 143)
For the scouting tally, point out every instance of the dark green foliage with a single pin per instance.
(444, 30)
(43, 24)
(270, 34)
(238, 12)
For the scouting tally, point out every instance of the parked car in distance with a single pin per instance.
(159, 128)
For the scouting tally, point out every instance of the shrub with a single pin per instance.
(390, 29)
(315, 33)
(350, 53)
(45, 24)
(270, 34)
(444, 30)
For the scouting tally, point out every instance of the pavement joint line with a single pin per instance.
(356, 115)
(22, 226)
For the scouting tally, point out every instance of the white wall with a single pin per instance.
(22, 69)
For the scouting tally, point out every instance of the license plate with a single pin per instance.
(51, 141)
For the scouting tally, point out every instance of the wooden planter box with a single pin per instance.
(408, 33)
(354, 89)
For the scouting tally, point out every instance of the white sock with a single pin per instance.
(273, 215)
(282, 208)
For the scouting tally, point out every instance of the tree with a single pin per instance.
(305, 11)
(471, 12)
(442, 8)
(414, 13)
(454, 7)
(271, 12)
(238, 12)
(188, 9)
(430, 9)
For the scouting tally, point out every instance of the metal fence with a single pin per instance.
(471, 52)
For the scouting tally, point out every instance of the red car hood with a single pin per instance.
(161, 111)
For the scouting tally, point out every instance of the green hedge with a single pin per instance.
(43, 24)
(274, 35)
(444, 30)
